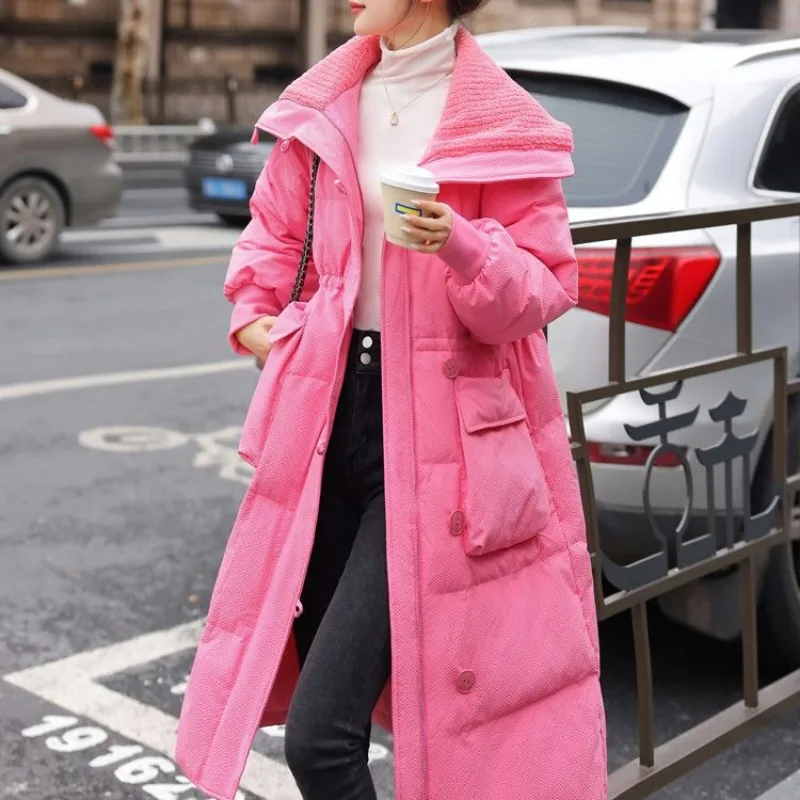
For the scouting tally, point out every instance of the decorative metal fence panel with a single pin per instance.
(736, 546)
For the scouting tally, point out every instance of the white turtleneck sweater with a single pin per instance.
(404, 74)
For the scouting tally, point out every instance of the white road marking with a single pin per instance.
(197, 237)
(176, 237)
(218, 448)
(132, 439)
(788, 789)
(16, 391)
(150, 235)
(100, 236)
(15, 790)
(71, 683)
(133, 221)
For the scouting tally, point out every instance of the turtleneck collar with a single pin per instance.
(429, 59)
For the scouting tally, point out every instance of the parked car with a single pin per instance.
(57, 169)
(666, 122)
(222, 171)
(662, 122)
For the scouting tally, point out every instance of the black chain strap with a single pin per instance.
(302, 269)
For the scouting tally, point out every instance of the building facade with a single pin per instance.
(228, 58)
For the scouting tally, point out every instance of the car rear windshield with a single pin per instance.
(623, 135)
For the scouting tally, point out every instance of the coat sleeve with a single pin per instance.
(512, 272)
(264, 262)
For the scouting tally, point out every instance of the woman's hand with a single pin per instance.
(255, 337)
(429, 233)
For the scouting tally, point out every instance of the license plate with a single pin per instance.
(224, 189)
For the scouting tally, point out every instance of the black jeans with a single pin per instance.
(343, 632)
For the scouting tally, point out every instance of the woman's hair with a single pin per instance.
(462, 8)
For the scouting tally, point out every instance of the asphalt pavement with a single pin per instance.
(120, 408)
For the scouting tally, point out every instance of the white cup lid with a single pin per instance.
(410, 177)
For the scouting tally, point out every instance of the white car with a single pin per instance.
(667, 122)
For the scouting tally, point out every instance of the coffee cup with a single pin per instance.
(401, 186)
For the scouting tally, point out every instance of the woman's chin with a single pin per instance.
(364, 26)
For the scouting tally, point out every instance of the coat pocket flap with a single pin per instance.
(289, 321)
(487, 403)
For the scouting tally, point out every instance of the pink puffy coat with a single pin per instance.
(495, 690)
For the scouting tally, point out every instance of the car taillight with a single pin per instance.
(629, 455)
(663, 283)
(105, 133)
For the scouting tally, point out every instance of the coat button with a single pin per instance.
(451, 368)
(321, 447)
(465, 681)
(339, 185)
(456, 522)
(285, 144)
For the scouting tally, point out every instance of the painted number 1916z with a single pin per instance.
(155, 775)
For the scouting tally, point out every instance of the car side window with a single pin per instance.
(779, 170)
(9, 99)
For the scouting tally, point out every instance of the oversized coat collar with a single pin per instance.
(491, 128)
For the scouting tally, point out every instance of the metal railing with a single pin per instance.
(643, 580)
(161, 143)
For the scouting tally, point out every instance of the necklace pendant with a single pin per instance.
(394, 120)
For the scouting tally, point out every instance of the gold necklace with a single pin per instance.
(394, 117)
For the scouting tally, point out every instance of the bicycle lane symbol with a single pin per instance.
(215, 449)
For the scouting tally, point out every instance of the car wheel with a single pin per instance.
(31, 220)
(779, 628)
(234, 220)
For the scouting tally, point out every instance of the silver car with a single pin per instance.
(662, 123)
(56, 169)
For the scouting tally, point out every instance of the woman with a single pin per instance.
(411, 548)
